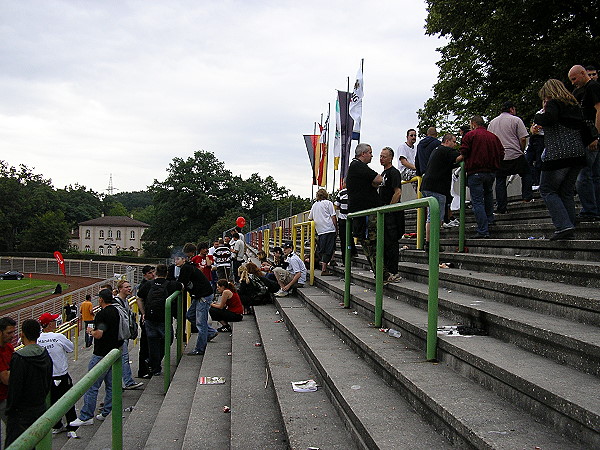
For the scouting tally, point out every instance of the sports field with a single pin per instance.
(15, 292)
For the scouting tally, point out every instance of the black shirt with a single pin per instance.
(391, 181)
(361, 192)
(588, 96)
(438, 177)
(107, 320)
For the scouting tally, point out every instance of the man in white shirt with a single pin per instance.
(294, 276)
(406, 156)
(323, 213)
(58, 346)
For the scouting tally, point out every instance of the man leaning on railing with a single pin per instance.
(106, 338)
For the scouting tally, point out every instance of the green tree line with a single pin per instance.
(504, 50)
(197, 201)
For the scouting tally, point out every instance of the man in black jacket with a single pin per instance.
(201, 292)
(29, 383)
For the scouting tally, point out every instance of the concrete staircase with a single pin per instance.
(531, 382)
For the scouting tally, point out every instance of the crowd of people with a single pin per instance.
(558, 155)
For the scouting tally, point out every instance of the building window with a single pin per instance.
(132, 235)
(109, 251)
(101, 234)
(87, 248)
(101, 250)
(88, 234)
(109, 233)
(118, 235)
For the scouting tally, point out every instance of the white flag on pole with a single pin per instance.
(356, 104)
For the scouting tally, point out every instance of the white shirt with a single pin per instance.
(58, 346)
(322, 213)
(295, 265)
(239, 247)
(407, 152)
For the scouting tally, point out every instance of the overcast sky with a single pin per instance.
(93, 88)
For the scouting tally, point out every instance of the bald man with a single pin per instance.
(587, 93)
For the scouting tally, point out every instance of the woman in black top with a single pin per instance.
(564, 155)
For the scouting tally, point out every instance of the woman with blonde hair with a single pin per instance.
(564, 156)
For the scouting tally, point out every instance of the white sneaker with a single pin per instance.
(100, 417)
(447, 225)
(281, 293)
(454, 223)
(58, 430)
(72, 435)
(82, 423)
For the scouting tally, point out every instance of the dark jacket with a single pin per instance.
(30, 378)
(193, 280)
(424, 149)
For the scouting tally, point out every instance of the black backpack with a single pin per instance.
(154, 305)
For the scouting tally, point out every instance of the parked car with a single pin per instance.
(12, 275)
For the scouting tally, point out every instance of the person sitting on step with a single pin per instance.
(229, 306)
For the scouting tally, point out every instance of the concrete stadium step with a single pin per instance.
(310, 419)
(256, 421)
(479, 419)
(563, 340)
(206, 425)
(560, 299)
(169, 427)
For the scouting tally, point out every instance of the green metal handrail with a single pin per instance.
(179, 333)
(434, 247)
(39, 434)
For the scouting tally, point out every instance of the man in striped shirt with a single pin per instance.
(341, 207)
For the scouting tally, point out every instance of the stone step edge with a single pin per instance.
(296, 407)
(579, 416)
(442, 414)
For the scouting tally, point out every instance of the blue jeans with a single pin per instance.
(91, 395)
(155, 333)
(441, 198)
(482, 199)
(127, 377)
(556, 188)
(588, 184)
(198, 313)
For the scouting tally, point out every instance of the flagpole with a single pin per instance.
(312, 187)
(362, 69)
(327, 142)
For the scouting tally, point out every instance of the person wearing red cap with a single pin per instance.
(58, 346)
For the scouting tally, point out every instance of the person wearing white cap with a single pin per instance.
(58, 346)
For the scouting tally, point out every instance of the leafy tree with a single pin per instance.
(200, 199)
(24, 196)
(48, 232)
(136, 200)
(504, 50)
(79, 204)
(145, 215)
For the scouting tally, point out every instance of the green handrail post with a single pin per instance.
(463, 194)
(434, 271)
(168, 324)
(379, 269)
(347, 262)
(180, 326)
(34, 435)
(117, 405)
(434, 258)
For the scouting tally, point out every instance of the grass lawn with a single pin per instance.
(26, 289)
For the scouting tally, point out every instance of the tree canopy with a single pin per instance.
(504, 50)
(199, 199)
